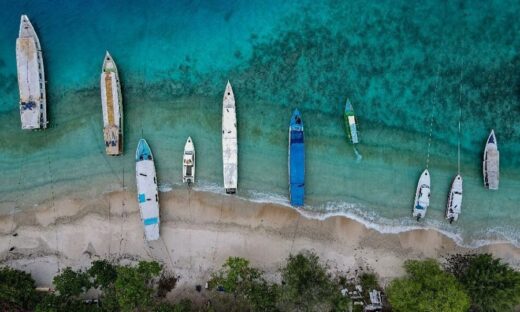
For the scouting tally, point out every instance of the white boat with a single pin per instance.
(188, 162)
(422, 196)
(147, 195)
(31, 77)
(229, 141)
(112, 104)
(454, 205)
(490, 165)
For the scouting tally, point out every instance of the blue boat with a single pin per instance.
(296, 160)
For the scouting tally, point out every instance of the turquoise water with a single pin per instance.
(399, 62)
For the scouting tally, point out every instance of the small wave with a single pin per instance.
(359, 157)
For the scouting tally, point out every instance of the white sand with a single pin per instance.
(201, 230)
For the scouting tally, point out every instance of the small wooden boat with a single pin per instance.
(229, 141)
(31, 77)
(188, 162)
(490, 165)
(112, 104)
(350, 123)
(422, 196)
(454, 205)
(296, 160)
(147, 194)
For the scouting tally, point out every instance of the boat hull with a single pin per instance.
(491, 163)
(422, 196)
(296, 161)
(147, 194)
(454, 204)
(188, 162)
(31, 78)
(229, 141)
(112, 106)
(350, 123)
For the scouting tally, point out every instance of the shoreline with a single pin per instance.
(200, 230)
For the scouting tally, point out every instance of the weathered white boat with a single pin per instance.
(112, 104)
(490, 165)
(31, 77)
(454, 205)
(229, 141)
(147, 195)
(422, 196)
(188, 162)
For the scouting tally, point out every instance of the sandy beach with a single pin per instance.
(200, 230)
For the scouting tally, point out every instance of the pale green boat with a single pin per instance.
(350, 123)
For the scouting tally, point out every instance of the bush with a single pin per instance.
(492, 285)
(133, 285)
(103, 273)
(17, 290)
(427, 288)
(71, 283)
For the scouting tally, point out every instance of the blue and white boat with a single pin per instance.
(296, 160)
(147, 195)
(422, 196)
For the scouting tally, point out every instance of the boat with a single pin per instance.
(188, 162)
(422, 196)
(350, 123)
(112, 104)
(147, 194)
(454, 205)
(296, 160)
(490, 165)
(31, 77)
(229, 141)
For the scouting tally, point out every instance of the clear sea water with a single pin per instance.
(400, 63)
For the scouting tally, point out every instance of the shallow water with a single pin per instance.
(400, 63)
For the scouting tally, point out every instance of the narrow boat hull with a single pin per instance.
(350, 123)
(296, 161)
(491, 163)
(454, 205)
(188, 162)
(147, 194)
(422, 196)
(112, 106)
(229, 141)
(31, 77)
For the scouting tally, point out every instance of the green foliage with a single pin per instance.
(307, 285)
(103, 273)
(246, 284)
(427, 288)
(53, 303)
(492, 285)
(71, 283)
(133, 287)
(17, 290)
(183, 306)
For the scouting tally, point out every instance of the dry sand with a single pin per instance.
(199, 231)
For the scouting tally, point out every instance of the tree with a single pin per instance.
(71, 283)
(427, 288)
(307, 285)
(103, 273)
(17, 290)
(246, 284)
(492, 285)
(133, 285)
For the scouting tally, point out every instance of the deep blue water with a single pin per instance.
(399, 62)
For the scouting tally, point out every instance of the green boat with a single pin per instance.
(350, 123)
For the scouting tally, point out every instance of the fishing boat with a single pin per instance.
(422, 196)
(112, 104)
(188, 162)
(147, 195)
(350, 123)
(490, 165)
(296, 160)
(229, 141)
(454, 205)
(31, 77)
